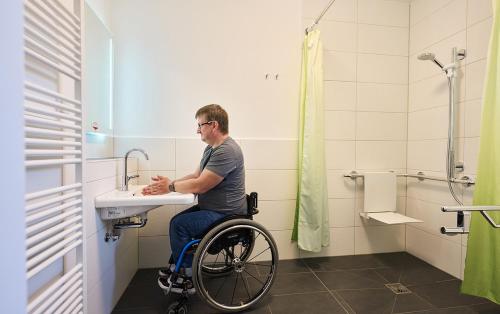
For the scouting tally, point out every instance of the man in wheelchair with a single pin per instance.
(219, 182)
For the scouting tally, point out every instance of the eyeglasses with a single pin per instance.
(202, 124)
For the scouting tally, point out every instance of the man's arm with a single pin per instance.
(193, 175)
(206, 181)
(192, 183)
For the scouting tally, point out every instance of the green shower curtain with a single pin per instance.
(482, 264)
(311, 228)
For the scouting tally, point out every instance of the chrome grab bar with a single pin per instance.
(465, 210)
(461, 211)
(421, 176)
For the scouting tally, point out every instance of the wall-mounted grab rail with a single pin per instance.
(465, 210)
(421, 176)
(461, 211)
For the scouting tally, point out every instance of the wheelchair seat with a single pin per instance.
(252, 204)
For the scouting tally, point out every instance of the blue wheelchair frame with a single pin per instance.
(181, 256)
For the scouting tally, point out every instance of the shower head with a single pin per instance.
(426, 56)
(430, 56)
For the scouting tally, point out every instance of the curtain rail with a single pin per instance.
(310, 28)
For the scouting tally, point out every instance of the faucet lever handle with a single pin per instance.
(133, 177)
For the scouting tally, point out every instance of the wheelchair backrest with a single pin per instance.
(252, 203)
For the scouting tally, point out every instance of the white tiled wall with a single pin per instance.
(109, 265)
(437, 26)
(366, 87)
(384, 110)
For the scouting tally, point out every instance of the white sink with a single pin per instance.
(122, 204)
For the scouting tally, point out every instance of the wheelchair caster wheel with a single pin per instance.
(174, 308)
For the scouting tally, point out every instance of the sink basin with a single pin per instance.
(122, 204)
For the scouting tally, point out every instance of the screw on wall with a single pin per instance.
(269, 76)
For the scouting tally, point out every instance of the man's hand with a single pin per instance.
(160, 186)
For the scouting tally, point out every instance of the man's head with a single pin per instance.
(214, 113)
(212, 122)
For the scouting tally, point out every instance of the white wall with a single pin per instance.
(13, 293)
(437, 26)
(109, 266)
(102, 8)
(172, 58)
(222, 55)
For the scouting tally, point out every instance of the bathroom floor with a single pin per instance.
(343, 284)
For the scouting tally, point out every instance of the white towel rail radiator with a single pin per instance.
(53, 114)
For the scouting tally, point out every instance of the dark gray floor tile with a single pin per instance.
(294, 283)
(352, 279)
(147, 296)
(344, 262)
(399, 260)
(284, 266)
(356, 281)
(409, 303)
(452, 310)
(445, 294)
(369, 301)
(310, 303)
(198, 306)
(487, 308)
(147, 276)
(419, 275)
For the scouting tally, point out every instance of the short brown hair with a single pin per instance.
(215, 112)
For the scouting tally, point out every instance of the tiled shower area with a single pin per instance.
(343, 284)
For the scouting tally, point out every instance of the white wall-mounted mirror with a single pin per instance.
(98, 89)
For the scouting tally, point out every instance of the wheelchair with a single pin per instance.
(234, 265)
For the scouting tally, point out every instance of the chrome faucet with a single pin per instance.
(126, 177)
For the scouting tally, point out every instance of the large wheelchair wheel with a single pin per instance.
(246, 271)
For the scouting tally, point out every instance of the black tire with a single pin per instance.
(172, 308)
(244, 268)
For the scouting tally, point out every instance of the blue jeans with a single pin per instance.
(186, 226)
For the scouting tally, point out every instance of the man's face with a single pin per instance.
(205, 128)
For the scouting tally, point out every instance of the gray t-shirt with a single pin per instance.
(226, 160)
